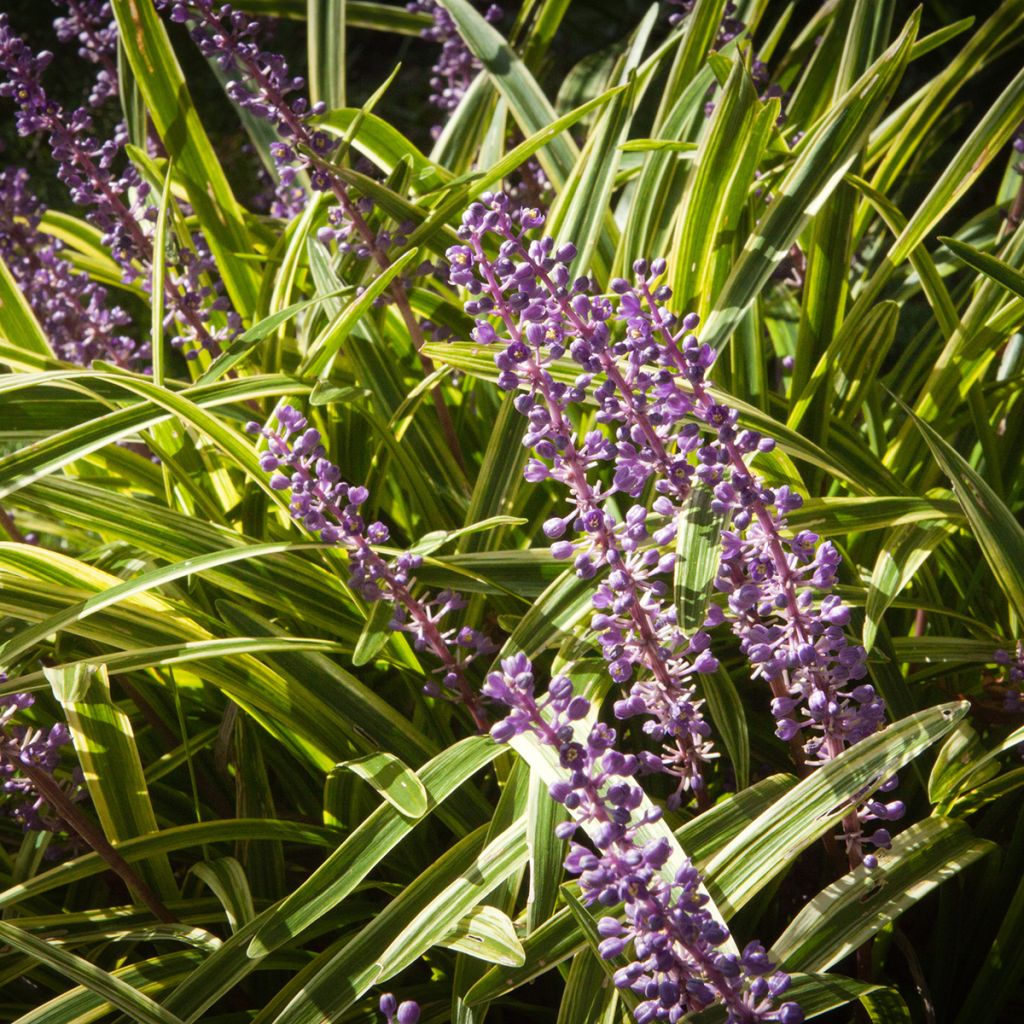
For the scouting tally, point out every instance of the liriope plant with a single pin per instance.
(613, 480)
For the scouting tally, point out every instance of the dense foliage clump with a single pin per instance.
(592, 445)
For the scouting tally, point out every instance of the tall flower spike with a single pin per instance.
(326, 505)
(117, 202)
(456, 66)
(541, 317)
(71, 308)
(264, 85)
(647, 371)
(92, 25)
(677, 964)
(779, 602)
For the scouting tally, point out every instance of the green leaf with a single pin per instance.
(698, 552)
(419, 917)
(769, 844)
(547, 853)
(999, 535)
(113, 989)
(334, 334)
(822, 158)
(105, 744)
(393, 779)
(157, 280)
(487, 934)
(1001, 272)
(175, 118)
(526, 100)
(730, 721)
(18, 324)
(375, 634)
(82, 1005)
(846, 914)
(181, 837)
(226, 878)
(325, 50)
(338, 876)
(710, 216)
(27, 639)
(436, 539)
(904, 550)
(386, 146)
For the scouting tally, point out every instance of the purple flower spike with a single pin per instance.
(329, 506)
(118, 204)
(91, 24)
(40, 748)
(71, 308)
(1013, 678)
(456, 67)
(677, 965)
(542, 315)
(666, 432)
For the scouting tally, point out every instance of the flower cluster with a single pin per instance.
(117, 202)
(677, 965)
(394, 1012)
(544, 315)
(328, 506)
(71, 308)
(22, 745)
(264, 85)
(647, 373)
(92, 25)
(1013, 677)
(456, 67)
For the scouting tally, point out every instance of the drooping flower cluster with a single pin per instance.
(646, 371)
(407, 1012)
(542, 316)
(456, 67)
(329, 506)
(1013, 677)
(677, 965)
(26, 745)
(264, 85)
(72, 309)
(92, 25)
(117, 202)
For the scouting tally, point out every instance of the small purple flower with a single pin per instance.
(27, 745)
(394, 1012)
(543, 315)
(118, 204)
(664, 431)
